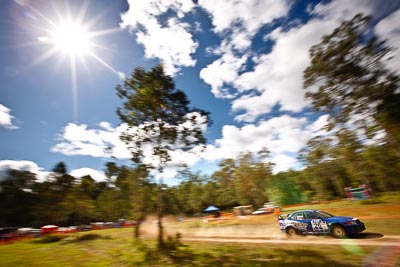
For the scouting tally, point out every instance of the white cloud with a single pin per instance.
(41, 174)
(237, 22)
(98, 176)
(250, 14)
(276, 76)
(388, 29)
(281, 135)
(22, 165)
(340, 10)
(105, 142)
(6, 119)
(172, 43)
(318, 125)
(79, 140)
(222, 71)
(284, 163)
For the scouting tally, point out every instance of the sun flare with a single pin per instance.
(71, 38)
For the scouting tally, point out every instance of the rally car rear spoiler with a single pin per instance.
(283, 216)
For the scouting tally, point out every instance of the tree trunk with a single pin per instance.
(136, 230)
(160, 215)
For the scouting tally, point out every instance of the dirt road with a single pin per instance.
(364, 239)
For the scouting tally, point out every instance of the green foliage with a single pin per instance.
(15, 194)
(173, 243)
(284, 190)
(159, 115)
(242, 181)
(348, 79)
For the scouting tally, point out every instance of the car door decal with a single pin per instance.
(319, 225)
(300, 226)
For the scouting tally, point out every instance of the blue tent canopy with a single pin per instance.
(211, 209)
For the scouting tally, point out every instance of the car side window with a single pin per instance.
(310, 215)
(298, 216)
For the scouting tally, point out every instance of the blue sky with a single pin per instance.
(240, 60)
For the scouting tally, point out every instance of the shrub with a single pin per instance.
(88, 237)
(50, 239)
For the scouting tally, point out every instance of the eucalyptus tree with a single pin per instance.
(252, 177)
(189, 193)
(158, 122)
(382, 166)
(348, 78)
(62, 181)
(224, 184)
(16, 197)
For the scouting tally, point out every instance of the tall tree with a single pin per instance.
(16, 197)
(158, 119)
(62, 180)
(348, 79)
(252, 178)
(224, 178)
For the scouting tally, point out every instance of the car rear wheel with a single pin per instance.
(338, 231)
(291, 231)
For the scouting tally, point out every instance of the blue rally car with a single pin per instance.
(318, 222)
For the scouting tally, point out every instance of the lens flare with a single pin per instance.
(71, 38)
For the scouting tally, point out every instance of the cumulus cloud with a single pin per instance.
(222, 71)
(6, 119)
(278, 76)
(283, 163)
(237, 23)
(282, 136)
(388, 29)
(79, 140)
(249, 15)
(104, 142)
(22, 165)
(41, 173)
(172, 41)
(98, 176)
(275, 78)
(340, 10)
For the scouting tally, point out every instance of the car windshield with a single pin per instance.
(324, 214)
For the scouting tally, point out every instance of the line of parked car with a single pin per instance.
(266, 209)
(7, 233)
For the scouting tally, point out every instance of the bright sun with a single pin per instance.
(71, 38)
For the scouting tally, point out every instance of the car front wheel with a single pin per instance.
(338, 231)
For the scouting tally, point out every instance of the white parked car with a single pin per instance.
(259, 211)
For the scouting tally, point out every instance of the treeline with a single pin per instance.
(247, 180)
(66, 200)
